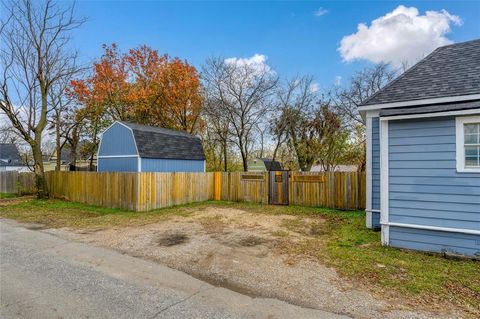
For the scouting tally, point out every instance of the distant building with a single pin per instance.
(130, 147)
(10, 159)
(338, 168)
(263, 165)
(65, 156)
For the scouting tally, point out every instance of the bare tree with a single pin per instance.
(35, 55)
(218, 131)
(63, 117)
(296, 109)
(8, 135)
(243, 93)
(362, 85)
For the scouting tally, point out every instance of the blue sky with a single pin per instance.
(292, 37)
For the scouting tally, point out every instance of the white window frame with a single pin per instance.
(460, 143)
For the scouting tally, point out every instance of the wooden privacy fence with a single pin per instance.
(17, 183)
(146, 191)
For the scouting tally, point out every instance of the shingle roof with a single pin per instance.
(271, 165)
(9, 155)
(157, 142)
(433, 108)
(448, 71)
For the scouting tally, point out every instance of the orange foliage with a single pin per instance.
(144, 87)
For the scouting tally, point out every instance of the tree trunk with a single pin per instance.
(225, 159)
(40, 181)
(58, 144)
(244, 161)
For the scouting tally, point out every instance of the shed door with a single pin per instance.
(278, 188)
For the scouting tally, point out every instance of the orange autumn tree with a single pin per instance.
(144, 87)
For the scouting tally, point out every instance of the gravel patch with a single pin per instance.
(236, 250)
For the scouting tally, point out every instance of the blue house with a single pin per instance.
(129, 147)
(423, 154)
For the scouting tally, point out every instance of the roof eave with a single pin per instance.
(448, 99)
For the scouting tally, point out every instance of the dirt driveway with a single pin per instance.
(249, 253)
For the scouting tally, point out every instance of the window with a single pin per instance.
(468, 144)
(472, 144)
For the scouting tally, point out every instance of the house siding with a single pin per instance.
(425, 188)
(375, 172)
(118, 164)
(117, 140)
(435, 241)
(172, 165)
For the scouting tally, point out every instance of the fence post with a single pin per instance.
(217, 185)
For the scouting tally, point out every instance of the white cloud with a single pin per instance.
(314, 87)
(338, 80)
(257, 60)
(320, 12)
(402, 35)
(257, 63)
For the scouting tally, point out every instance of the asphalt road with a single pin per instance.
(44, 276)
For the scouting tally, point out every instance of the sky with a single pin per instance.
(326, 39)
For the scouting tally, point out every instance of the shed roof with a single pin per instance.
(157, 142)
(271, 165)
(9, 155)
(449, 71)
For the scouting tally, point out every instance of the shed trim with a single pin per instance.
(116, 156)
(426, 227)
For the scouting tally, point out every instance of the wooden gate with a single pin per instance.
(278, 188)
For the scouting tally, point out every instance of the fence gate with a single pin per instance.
(278, 188)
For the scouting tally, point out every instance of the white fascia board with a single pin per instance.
(435, 228)
(428, 115)
(448, 99)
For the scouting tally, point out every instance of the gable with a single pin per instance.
(117, 140)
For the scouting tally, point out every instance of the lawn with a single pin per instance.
(337, 239)
(7, 195)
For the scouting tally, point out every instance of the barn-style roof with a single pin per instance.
(157, 142)
(271, 165)
(9, 155)
(449, 71)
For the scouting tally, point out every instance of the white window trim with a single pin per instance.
(460, 139)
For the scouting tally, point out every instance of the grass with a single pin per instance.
(59, 214)
(7, 195)
(336, 238)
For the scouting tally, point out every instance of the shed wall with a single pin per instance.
(117, 140)
(117, 164)
(172, 165)
(425, 188)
